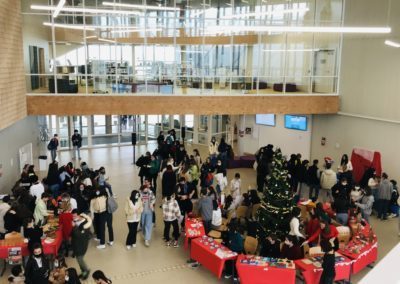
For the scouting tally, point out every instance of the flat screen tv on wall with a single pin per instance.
(265, 119)
(297, 122)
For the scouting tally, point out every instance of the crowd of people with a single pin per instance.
(83, 198)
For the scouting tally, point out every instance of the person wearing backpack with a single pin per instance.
(77, 144)
(143, 163)
(52, 147)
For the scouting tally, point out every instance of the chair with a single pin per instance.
(215, 234)
(250, 245)
(241, 212)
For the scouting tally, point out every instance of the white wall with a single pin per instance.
(352, 132)
(289, 140)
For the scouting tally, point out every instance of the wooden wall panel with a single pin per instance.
(12, 80)
(246, 104)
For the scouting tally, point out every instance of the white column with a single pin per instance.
(196, 129)
(89, 131)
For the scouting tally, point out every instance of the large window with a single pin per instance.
(182, 47)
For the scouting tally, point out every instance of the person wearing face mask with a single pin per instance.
(184, 194)
(102, 181)
(98, 205)
(148, 200)
(342, 188)
(133, 212)
(37, 268)
(328, 180)
(366, 203)
(80, 236)
(71, 276)
(213, 150)
(171, 214)
(32, 233)
(154, 168)
(356, 193)
(40, 214)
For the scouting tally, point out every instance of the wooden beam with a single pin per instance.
(137, 104)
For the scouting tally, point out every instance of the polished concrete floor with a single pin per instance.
(158, 263)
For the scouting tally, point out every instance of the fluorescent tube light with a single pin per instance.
(299, 29)
(392, 43)
(137, 30)
(84, 10)
(66, 26)
(142, 7)
(60, 5)
(92, 36)
(266, 13)
(291, 50)
(106, 40)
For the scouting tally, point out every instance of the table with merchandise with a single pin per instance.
(265, 270)
(362, 250)
(211, 254)
(193, 229)
(311, 268)
(51, 242)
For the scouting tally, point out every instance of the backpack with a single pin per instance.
(51, 145)
(112, 205)
(140, 161)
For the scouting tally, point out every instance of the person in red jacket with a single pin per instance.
(312, 226)
(65, 220)
(326, 231)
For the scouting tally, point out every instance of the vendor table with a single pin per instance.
(211, 254)
(312, 273)
(193, 229)
(50, 247)
(367, 255)
(264, 273)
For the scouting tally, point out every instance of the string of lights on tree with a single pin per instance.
(277, 204)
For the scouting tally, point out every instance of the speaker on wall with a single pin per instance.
(183, 132)
(134, 138)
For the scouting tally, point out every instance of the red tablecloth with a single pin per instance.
(207, 257)
(367, 255)
(312, 274)
(191, 225)
(253, 274)
(48, 248)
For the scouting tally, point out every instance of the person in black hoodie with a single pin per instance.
(223, 148)
(53, 179)
(37, 268)
(12, 222)
(168, 181)
(270, 247)
(328, 263)
(77, 143)
(302, 177)
(144, 163)
(313, 176)
(341, 205)
(292, 169)
(32, 233)
(341, 188)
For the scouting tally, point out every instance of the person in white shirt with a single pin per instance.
(65, 197)
(295, 224)
(36, 188)
(4, 207)
(236, 184)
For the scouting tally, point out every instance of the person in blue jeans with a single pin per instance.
(148, 200)
(52, 146)
(102, 180)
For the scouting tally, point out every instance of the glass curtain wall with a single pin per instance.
(181, 47)
(115, 130)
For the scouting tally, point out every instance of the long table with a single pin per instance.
(367, 255)
(201, 252)
(312, 273)
(257, 274)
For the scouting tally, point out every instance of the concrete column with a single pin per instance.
(108, 124)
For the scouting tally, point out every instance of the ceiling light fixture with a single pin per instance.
(65, 26)
(267, 13)
(392, 43)
(85, 10)
(92, 36)
(106, 40)
(60, 5)
(137, 30)
(142, 7)
(291, 50)
(299, 29)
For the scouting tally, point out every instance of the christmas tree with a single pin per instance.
(275, 213)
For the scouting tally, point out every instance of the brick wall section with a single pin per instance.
(12, 80)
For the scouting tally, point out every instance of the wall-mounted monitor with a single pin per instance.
(297, 122)
(265, 119)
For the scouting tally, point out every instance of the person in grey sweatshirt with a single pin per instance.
(205, 206)
(384, 195)
(365, 204)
